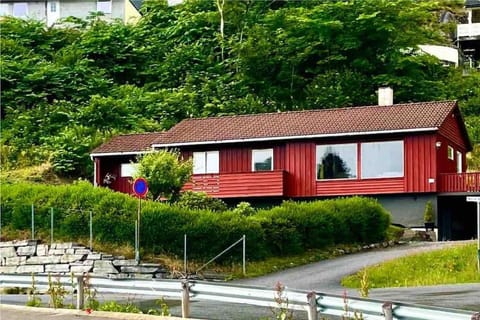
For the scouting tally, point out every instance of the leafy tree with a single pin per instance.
(165, 172)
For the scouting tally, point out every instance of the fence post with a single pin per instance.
(33, 222)
(80, 292)
(312, 306)
(244, 268)
(185, 299)
(91, 230)
(51, 225)
(185, 254)
(387, 310)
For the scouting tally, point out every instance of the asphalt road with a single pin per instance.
(324, 276)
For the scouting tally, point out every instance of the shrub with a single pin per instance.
(286, 229)
(200, 201)
(244, 208)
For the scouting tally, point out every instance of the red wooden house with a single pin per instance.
(404, 155)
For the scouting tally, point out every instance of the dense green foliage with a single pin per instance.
(287, 229)
(65, 90)
(165, 172)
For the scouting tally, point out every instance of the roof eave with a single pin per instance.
(110, 154)
(331, 135)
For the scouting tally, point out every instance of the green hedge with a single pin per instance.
(289, 228)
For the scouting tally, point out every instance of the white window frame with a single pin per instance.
(23, 4)
(459, 162)
(206, 162)
(387, 175)
(450, 153)
(4, 9)
(254, 151)
(53, 6)
(128, 169)
(354, 147)
(104, 6)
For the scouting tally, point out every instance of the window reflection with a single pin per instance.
(382, 159)
(337, 161)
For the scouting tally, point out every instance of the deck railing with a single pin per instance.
(468, 30)
(241, 184)
(460, 182)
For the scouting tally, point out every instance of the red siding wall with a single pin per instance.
(450, 129)
(112, 165)
(300, 167)
(235, 160)
(237, 185)
(420, 163)
(360, 187)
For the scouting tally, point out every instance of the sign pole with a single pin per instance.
(140, 188)
(477, 200)
(139, 210)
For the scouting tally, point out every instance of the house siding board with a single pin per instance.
(235, 160)
(300, 164)
(359, 187)
(112, 165)
(237, 185)
(452, 131)
(420, 166)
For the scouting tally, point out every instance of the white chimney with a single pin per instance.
(385, 96)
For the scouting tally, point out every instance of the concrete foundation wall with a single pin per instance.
(408, 209)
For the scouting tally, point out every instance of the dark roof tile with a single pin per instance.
(400, 117)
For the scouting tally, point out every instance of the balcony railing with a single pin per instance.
(237, 185)
(460, 182)
(470, 30)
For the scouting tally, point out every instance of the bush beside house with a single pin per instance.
(292, 227)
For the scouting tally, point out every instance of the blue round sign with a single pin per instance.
(140, 187)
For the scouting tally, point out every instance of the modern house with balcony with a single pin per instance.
(404, 155)
(468, 34)
(51, 11)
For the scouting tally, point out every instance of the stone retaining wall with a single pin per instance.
(30, 256)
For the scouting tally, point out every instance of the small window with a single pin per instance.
(20, 10)
(262, 160)
(104, 6)
(337, 161)
(459, 162)
(206, 162)
(450, 153)
(4, 9)
(128, 169)
(53, 6)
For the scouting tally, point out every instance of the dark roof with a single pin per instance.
(129, 143)
(325, 122)
(472, 3)
(137, 4)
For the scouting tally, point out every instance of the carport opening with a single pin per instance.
(457, 218)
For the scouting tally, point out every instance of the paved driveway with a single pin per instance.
(324, 276)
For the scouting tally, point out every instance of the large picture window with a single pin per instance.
(337, 161)
(206, 162)
(382, 159)
(262, 160)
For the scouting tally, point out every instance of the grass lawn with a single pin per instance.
(446, 266)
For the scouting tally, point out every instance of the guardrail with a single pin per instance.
(313, 303)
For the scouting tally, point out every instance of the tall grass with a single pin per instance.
(445, 266)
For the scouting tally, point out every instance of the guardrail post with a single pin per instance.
(80, 292)
(312, 306)
(185, 299)
(476, 316)
(387, 310)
